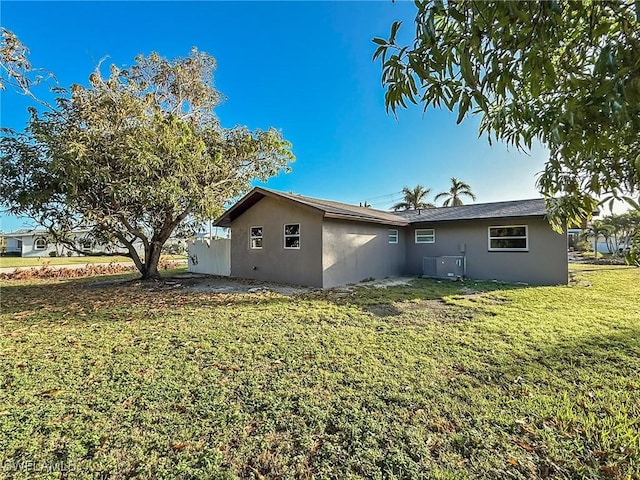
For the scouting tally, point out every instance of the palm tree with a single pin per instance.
(414, 198)
(457, 190)
(595, 230)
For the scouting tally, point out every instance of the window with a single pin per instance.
(393, 235)
(255, 238)
(85, 245)
(509, 238)
(292, 235)
(425, 235)
(40, 243)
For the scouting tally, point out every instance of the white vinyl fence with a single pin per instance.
(212, 257)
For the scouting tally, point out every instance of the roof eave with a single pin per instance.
(413, 222)
(340, 216)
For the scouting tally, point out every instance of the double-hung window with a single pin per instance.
(425, 235)
(292, 235)
(509, 238)
(255, 238)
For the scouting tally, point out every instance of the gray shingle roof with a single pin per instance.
(327, 207)
(517, 208)
(331, 209)
(344, 209)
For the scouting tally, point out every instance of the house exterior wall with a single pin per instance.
(545, 263)
(354, 251)
(273, 262)
(29, 249)
(12, 245)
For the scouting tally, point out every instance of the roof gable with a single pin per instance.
(328, 208)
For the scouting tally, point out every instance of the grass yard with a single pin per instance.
(39, 261)
(436, 380)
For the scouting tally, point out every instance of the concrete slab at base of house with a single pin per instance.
(293, 239)
(208, 284)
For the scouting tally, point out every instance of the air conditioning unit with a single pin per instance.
(448, 266)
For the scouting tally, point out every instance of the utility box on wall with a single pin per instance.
(451, 267)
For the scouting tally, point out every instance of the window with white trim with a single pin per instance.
(255, 238)
(425, 235)
(393, 235)
(509, 238)
(40, 243)
(292, 235)
(84, 244)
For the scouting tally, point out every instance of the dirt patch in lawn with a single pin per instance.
(420, 312)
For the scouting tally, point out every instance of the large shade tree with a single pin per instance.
(414, 199)
(135, 156)
(453, 196)
(564, 73)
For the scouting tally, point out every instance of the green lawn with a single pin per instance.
(437, 380)
(39, 261)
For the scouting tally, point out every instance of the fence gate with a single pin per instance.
(212, 257)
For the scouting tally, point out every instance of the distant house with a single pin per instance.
(28, 242)
(38, 243)
(294, 239)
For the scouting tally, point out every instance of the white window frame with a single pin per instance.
(393, 235)
(253, 237)
(40, 239)
(285, 236)
(514, 237)
(431, 236)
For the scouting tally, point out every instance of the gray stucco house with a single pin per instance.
(289, 238)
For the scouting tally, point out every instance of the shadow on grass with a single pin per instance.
(596, 350)
(122, 292)
(119, 294)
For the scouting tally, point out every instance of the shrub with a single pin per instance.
(46, 271)
(584, 246)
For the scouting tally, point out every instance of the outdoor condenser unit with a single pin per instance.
(448, 266)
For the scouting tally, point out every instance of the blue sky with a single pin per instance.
(303, 67)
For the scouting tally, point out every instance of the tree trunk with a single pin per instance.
(151, 258)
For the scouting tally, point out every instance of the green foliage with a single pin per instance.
(432, 380)
(583, 246)
(561, 72)
(453, 196)
(16, 71)
(135, 156)
(414, 198)
(621, 234)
